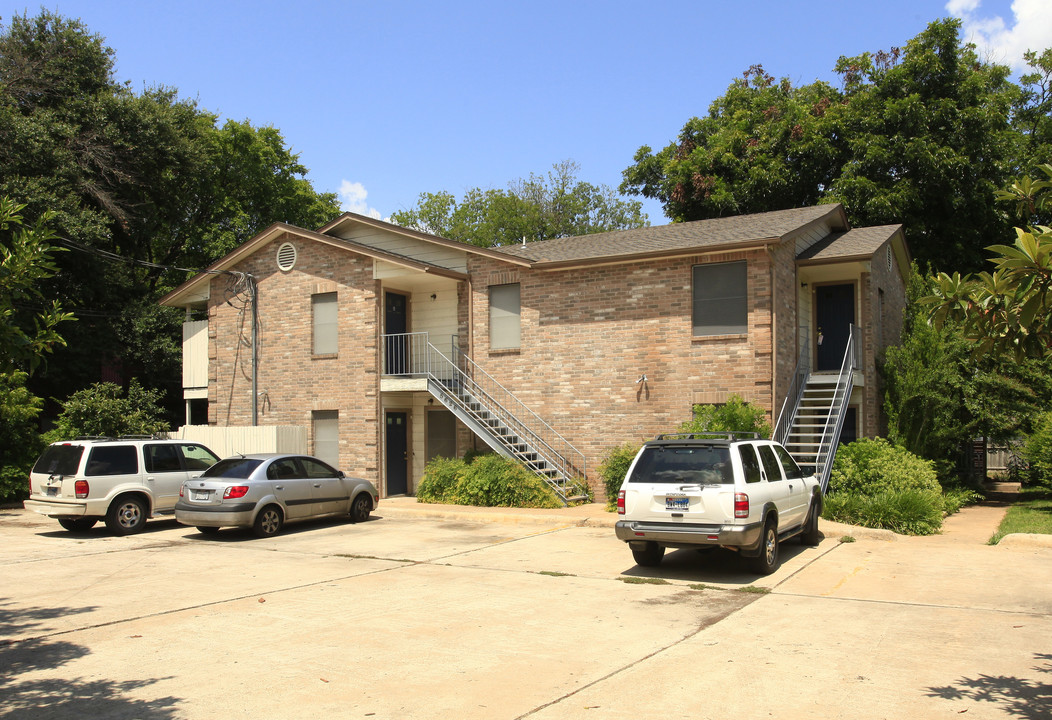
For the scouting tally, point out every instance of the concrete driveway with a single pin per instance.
(431, 614)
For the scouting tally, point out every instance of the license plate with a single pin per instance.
(52, 490)
(677, 503)
(199, 494)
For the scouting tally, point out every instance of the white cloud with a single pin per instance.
(1005, 41)
(352, 199)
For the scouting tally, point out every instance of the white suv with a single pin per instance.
(122, 480)
(731, 490)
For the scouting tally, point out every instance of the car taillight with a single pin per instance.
(235, 491)
(182, 491)
(81, 488)
(741, 505)
(621, 502)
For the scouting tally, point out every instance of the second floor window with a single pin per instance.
(721, 299)
(323, 309)
(504, 316)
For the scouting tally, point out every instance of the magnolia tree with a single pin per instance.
(1008, 310)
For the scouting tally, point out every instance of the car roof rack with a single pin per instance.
(711, 435)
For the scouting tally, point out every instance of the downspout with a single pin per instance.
(255, 349)
(774, 332)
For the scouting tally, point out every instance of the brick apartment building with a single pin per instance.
(392, 346)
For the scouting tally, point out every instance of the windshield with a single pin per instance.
(59, 460)
(239, 468)
(703, 465)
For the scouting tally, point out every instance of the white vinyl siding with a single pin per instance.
(721, 299)
(323, 309)
(504, 317)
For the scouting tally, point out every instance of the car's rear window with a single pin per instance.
(683, 464)
(59, 460)
(239, 468)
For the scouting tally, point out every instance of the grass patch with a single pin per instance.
(553, 573)
(847, 539)
(1032, 513)
(645, 581)
(703, 586)
(754, 589)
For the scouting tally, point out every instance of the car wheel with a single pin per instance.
(268, 522)
(810, 536)
(649, 556)
(767, 561)
(77, 524)
(361, 507)
(207, 529)
(127, 515)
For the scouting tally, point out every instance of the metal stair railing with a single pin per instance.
(837, 406)
(791, 404)
(461, 383)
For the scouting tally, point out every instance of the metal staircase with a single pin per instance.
(488, 409)
(813, 414)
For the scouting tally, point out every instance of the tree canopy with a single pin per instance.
(147, 177)
(921, 136)
(534, 208)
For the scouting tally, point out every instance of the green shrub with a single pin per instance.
(1037, 452)
(905, 511)
(490, 481)
(20, 441)
(735, 415)
(496, 481)
(868, 467)
(613, 469)
(876, 484)
(439, 483)
(103, 409)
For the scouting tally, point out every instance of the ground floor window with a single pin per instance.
(327, 436)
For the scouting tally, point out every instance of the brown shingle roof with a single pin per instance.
(857, 242)
(699, 234)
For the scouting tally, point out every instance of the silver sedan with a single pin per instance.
(264, 491)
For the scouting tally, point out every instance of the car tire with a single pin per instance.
(810, 535)
(77, 524)
(361, 506)
(127, 515)
(268, 522)
(768, 560)
(207, 529)
(649, 556)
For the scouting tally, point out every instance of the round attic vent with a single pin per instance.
(286, 256)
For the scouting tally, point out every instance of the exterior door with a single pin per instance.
(164, 474)
(396, 322)
(834, 315)
(291, 487)
(397, 452)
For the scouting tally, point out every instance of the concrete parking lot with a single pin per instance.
(458, 615)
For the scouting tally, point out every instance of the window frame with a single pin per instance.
(325, 336)
(702, 326)
(501, 322)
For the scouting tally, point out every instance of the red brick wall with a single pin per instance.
(879, 329)
(589, 334)
(291, 381)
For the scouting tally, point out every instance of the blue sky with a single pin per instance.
(385, 100)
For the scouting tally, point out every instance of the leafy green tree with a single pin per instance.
(735, 415)
(1033, 113)
(764, 145)
(920, 137)
(20, 441)
(148, 178)
(105, 409)
(534, 208)
(27, 331)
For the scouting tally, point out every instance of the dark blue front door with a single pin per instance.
(397, 447)
(834, 315)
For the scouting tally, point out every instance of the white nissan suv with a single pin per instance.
(731, 490)
(121, 480)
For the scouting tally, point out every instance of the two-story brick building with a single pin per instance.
(392, 346)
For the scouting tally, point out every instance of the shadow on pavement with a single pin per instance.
(1019, 697)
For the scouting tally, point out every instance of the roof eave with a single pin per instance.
(654, 255)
